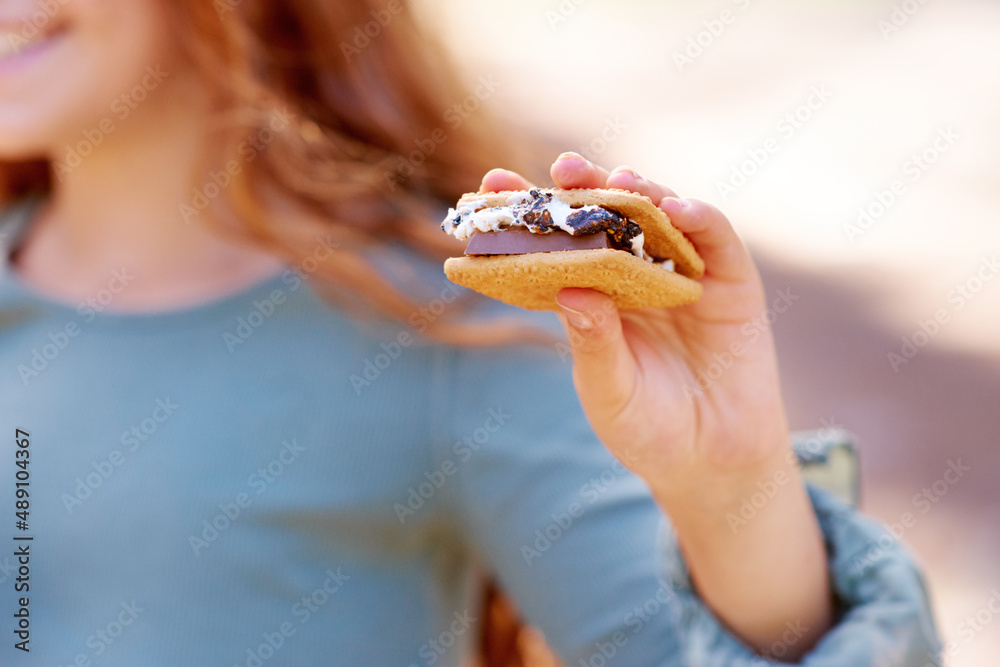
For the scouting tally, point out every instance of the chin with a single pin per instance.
(59, 82)
(25, 139)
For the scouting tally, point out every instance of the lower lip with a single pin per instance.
(30, 55)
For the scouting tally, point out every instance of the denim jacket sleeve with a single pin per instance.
(885, 618)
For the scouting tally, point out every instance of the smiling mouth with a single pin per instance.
(15, 41)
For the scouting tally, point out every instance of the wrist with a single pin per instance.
(707, 492)
(755, 554)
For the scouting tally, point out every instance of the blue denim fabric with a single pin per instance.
(885, 618)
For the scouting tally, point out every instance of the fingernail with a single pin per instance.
(577, 320)
(671, 204)
(630, 172)
(570, 155)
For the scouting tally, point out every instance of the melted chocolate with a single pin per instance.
(619, 228)
(535, 213)
(537, 218)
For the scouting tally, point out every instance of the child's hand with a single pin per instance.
(676, 393)
(689, 399)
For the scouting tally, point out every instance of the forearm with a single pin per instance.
(756, 556)
(703, 447)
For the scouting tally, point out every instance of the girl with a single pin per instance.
(259, 428)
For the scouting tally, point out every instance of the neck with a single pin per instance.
(119, 207)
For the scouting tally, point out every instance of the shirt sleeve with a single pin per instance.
(884, 614)
(578, 542)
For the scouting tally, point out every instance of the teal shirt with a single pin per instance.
(263, 481)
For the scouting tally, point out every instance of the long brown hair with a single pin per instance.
(367, 130)
(377, 134)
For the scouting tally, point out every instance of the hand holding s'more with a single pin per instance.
(524, 246)
(661, 302)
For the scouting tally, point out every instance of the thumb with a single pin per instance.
(604, 369)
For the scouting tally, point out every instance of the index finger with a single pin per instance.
(572, 170)
(624, 178)
(499, 180)
(726, 258)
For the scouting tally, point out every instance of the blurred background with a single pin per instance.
(854, 144)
